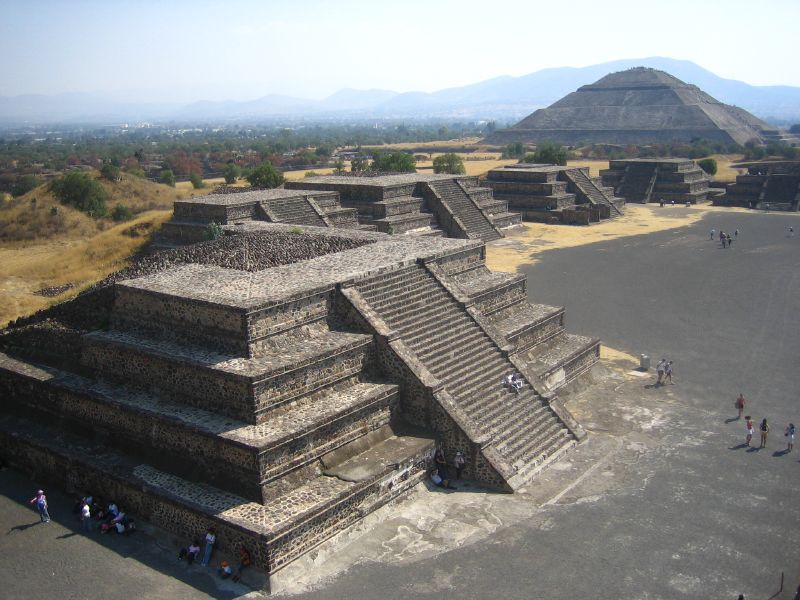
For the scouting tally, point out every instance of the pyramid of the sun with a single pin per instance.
(637, 106)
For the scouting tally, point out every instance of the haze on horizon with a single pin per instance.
(183, 51)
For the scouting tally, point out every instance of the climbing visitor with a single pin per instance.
(739, 404)
(789, 437)
(41, 505)
(211, 539)
(748, 425)
(764, 428)
(459, 462)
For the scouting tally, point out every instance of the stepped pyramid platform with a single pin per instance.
(191, 217)
(655, 179)
(554, 194)
(280, 405)
(639, 106)
(423, 204)
(768, 185)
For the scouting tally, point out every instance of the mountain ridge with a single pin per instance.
(501, 97)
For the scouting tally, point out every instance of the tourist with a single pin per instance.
(660, 368)
(459, 462)
(244, 562)
(730, 240)
(190, 553)
(713, 231)
(508, 380)
(721, 235)
(739, 404)
(736, 234)
(86, 516)
(748, 425)
(211, 538)
(225, 569)
(440, 481)
(724, 241)
(789, 437)
(791, 231)
(441, 462)
(516, 382)
(668, 372)
(41, 505)
(764, 428)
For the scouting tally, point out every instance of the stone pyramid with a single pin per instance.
(637, 106)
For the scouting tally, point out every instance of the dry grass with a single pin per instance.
(296, 175)
(594, 165)
(82, 262)
(724, 171)
(472, 141)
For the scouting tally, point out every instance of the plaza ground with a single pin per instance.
(661, 501)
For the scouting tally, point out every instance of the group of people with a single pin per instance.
(439, 476)
(763, 427)
(725, 238)
(664, 372)
(191, 552)
(107, 514)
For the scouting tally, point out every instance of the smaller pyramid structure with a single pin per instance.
(638, 106)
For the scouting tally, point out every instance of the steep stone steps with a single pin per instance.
(465, 209)
(459, 354)
(525, 325)
(294, 210)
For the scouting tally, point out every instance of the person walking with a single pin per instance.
(668, 373)
(736, 234)
(730, 240)
(660, 368)
(764, 429)
(211, 539)
(459, 462)
(739, 404)
(86, 516)
(748, 426)
(41, 505)
(713, 231)
(789, 437)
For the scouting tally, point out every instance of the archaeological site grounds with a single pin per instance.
(287, 367)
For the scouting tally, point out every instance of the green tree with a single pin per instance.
(709, 165)
(338, 167)
(551, 154)
(394, 162)
(515, 150)
(110, 172)
(359, 165)
(135, 172)
(197, 181)
(121, 213)
(449, 163)
(81, 191)
(265, 176)
(168, 177)
(25, 184)
(231, 172)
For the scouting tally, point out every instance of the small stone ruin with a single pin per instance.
(279, 385)
(644, 180)
(554, 194)
(767, 185)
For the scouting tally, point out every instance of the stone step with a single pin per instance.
(230, 454)
(275, 533)
(403, 223)
(526, 325)
(465, 332)
(397, 206)
(410, 291)
(560, 359)
(243, 388)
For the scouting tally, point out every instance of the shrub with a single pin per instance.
(110, 172)
(265, 176)
(25, 184)
(394, 162)
(231, 172)
(709, 165)
(82, 192)
(135, 172)
(449, 163)
(168, 177)
(549, 153)
(310, 174)
(197, 181)
(214, 230)
(515, 150)
(121, 213)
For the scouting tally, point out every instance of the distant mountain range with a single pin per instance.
(501, 98)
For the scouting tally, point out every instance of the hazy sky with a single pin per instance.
(239, 49)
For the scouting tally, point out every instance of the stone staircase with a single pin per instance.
(636, 182)
(299, 211)
(476, 224)
(589, 191)
(456, 350)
